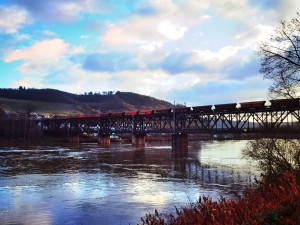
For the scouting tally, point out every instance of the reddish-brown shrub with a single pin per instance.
(267, 204)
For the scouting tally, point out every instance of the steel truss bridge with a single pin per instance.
(226, 118)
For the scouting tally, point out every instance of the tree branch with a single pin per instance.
(283, 57)
(292, 43)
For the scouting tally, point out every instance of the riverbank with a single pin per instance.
(264, 204)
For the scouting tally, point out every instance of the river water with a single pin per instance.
(88, 184)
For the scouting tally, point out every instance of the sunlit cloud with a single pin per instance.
(49, 49)
(41, 56)
(170, 30)
(191, 51)
(12, 19)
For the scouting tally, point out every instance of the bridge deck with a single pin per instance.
(227, 120)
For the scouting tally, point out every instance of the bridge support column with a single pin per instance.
(104, 139)
(180, 142)
(138, 139)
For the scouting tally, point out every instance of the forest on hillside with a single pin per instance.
(85, 103)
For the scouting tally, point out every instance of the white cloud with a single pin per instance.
(76, 50)
(172, 20)
(253, 35)
(215, 61)
(12, 19)
(45, 50)
(21, 37)
(70, 10)
(288, 9)
(234, 9)
(171, 27)
(115, 35)
(170, 30)
(149, 46)
(42, 56)
(169, 22)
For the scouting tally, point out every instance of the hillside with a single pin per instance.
(51, 101)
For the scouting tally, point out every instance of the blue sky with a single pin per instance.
(196, 52)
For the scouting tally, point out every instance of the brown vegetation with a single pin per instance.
(274, 201)
(267, 204)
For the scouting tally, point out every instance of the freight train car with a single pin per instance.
(162, 111)
(203, 108)
(225, 107)
(145, 112)
(182, 110)
(284, 103)
(129, 113)
(70, 117)
(252, 105)
(105, 114)
(91, 115)
(117, 114)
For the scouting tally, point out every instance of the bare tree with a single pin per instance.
(274, 156)
(280, 59)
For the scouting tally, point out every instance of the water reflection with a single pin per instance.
(116, 185)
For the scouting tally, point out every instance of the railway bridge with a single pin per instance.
(282, 115)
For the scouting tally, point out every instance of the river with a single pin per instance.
(88, 184)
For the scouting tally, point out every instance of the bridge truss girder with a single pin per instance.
(235, 122)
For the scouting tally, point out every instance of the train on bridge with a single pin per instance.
(218, 108)
(282, 115)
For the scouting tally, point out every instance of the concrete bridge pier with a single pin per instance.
(180, 142)
(104, 139)
(138, 139)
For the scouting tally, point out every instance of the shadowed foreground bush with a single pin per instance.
(267, 204)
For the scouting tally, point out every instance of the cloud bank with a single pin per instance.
(188, 51)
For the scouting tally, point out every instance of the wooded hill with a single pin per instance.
(51, 101)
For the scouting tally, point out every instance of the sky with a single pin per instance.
(193, 52)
